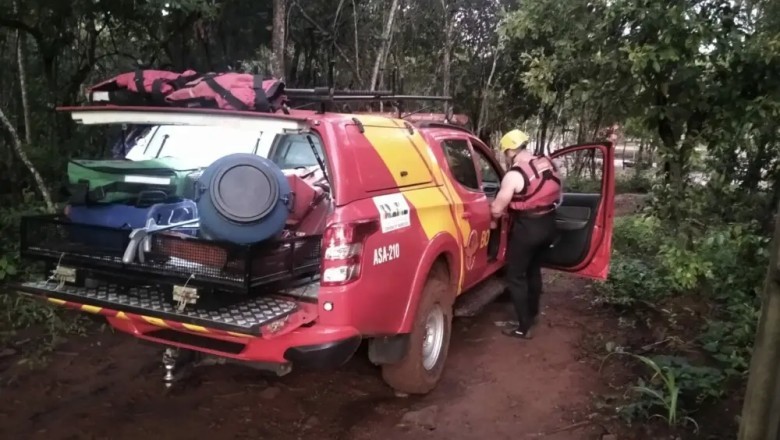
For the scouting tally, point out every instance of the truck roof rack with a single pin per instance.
(327, 97)
(433, 124)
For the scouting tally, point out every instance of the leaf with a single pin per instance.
(650, 392)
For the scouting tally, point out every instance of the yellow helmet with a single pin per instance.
(513, 139)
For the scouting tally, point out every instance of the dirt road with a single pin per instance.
(109, 386)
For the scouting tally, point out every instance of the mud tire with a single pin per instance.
(409, 375)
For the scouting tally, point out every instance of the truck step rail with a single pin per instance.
(241, 315)
(472, 302)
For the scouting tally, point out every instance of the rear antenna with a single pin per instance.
(331, 67)
(319, 159)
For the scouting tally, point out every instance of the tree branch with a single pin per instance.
(383, 47)
(17, 144)
(22, 26)
(324, 32)
(82, 73)
(357, 52)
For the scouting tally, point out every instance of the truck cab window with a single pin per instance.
(461, 162)
(491, 181)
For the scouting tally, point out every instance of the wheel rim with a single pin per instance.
(433, 339)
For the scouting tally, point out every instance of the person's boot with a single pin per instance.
(517, 333)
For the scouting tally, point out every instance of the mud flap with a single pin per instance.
(387, 349)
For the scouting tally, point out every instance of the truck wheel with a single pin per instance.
(419, 370)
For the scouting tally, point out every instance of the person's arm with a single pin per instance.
(510, 184)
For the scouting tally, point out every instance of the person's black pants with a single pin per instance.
(529, 238)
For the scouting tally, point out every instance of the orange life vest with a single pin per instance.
(542, 187)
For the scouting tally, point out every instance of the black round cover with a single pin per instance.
(243, 199)
(243, 191)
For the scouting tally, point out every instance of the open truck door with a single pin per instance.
(584, 217)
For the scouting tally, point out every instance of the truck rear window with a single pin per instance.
(294, 151)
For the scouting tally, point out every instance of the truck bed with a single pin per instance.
(175, 258)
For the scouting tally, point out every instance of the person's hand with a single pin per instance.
(493, 224)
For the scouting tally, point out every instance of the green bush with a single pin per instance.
(722, 264)
(624, 184)
(637, 235)
(18, 312)
(631, 281)
(672, 391)
(738, 258)
(634, 184)
(634, 275)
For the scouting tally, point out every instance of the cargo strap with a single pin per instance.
(156, 91)
(261, 100)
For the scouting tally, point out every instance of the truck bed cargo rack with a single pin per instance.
(175, 258)
(234, 314)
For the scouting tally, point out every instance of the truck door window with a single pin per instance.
(461, 162)
(490, 177)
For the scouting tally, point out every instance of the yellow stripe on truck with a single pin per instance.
(155, 321)
(59, 302)
(195, 328)
(439, 209)
(401, 158)
(91, 309)
(427, 155)
(433, 210)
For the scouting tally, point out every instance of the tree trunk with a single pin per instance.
(278, 38)
(483, 112)
(638, 160)
(357, 51)
(20, 40)
(385, 43)
(581, 125)
(760, 417)
(753, 172)
(19, 148)
(292, 76)
(447, 56)
(382, 69)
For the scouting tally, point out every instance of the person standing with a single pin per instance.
(530, 190)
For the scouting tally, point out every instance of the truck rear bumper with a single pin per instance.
(325, 355)
(272, 330)
(315, 347)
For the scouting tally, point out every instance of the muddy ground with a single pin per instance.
(107, 385)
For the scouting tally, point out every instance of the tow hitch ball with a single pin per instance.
(178, 364)
(169, 362)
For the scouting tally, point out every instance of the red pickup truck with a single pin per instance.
(406, 246)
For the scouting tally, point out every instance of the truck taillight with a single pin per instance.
(342, 245)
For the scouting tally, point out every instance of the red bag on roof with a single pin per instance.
(140, 87)
(233, 91)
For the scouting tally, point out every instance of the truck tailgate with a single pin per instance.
(240, 314)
